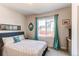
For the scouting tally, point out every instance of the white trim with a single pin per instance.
(74, 29)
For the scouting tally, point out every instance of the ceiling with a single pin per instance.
(35, 8)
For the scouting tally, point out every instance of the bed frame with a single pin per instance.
(9, 34)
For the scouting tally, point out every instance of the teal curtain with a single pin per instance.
(36, 29)
(56, 44)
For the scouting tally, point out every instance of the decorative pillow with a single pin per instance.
(16, 39)
(21, 37)
(8, 40)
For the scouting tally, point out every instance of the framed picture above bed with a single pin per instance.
(18, 27)
(2, 27)
(9, 27)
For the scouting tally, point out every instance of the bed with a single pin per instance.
(25, 47)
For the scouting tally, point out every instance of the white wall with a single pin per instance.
(78, 29)
(8, 16)
(64, 13)
(74, 30)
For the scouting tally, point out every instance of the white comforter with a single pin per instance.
(25, 48)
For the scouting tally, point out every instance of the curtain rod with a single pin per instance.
(45, 16)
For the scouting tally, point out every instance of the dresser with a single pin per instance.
(69, 45)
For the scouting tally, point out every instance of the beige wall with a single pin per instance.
(64, 13)
(8, 16)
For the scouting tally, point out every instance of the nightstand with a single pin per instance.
(1, 47)
(26, 38)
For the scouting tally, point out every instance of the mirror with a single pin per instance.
(30, 26)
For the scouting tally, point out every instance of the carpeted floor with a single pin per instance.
(53, 52)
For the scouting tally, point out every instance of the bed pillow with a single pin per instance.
(16, 39)
(21, 37)
(8, 40)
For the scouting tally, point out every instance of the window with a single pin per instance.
(46, 27)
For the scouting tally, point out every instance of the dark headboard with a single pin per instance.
(9, 34)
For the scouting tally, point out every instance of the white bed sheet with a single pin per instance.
(25, 48)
